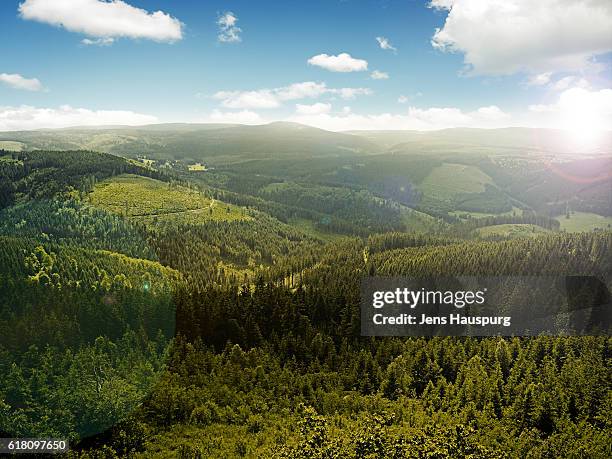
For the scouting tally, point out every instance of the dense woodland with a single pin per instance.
(236, 332)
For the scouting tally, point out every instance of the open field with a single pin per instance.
(584, 221)
(309, 228)
(419, 222)
(150, 199)
(449, 180)
(11, 145)
(465, 214)
(511, 230)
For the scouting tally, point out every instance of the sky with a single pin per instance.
(333, 64)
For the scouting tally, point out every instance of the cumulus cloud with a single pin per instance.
(343, 62)
(16, 81)
(239, 117)
(103, 19)
(263, 98)
(540, 79)
(405, 99)
(229, 32)
(415, 118)
(26, 117)
(314, 109)
(351, 93)
(490, 113)
(306, 89)
(385, 44)
(274, 98)
(582, 112)
(569, 81)
(502, 37)
(378, 75)
(105, 41)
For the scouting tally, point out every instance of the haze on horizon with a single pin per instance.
(335, 65)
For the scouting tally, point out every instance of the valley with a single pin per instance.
(154, 311)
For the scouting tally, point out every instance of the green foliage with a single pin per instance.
(74, 394)
(71, 222)
(267, 360)
(45, 174)
(356, 212)
(501, 225)
(149, 200)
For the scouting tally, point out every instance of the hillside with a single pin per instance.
(147, 199)
(215, 143)
(153, 311)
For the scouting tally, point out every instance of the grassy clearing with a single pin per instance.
(511, 230)
(11, 145)
(218, 211)
(465, 214)
(419, 222)
(308, 228)
(152, 200)
(584, 221)
(449, 179)
(275, 187)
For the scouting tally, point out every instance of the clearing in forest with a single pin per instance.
(448, 180)
(148, 199)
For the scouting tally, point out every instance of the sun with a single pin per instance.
(583, 117)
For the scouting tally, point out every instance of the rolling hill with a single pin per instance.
(213, 142)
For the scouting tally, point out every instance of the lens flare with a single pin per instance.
(583, 116)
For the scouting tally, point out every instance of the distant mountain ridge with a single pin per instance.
(200, 141)
(227, 143)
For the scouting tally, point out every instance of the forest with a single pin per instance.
(158, 312)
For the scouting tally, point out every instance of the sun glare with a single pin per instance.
(583, 117)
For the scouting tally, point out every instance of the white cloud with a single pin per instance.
(26, 117)
(229, 32)
(307, 89)
(570, 81)
(104, 41)
(541, 108)
(378, 75)
(582, 112)
(415, 118)
(314, 109)
(343, 62)
(385, 44)
(16, 81)
(442, 4)
(103, 19)
(540, 79)
(241, 117)
(490, 113)
(545, 79)
(402, 99)
(263, 98)
(351, 93)
(274, 98)
(501, 37)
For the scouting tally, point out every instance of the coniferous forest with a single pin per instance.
(152, 311)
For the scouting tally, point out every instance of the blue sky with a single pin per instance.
(181, 65)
